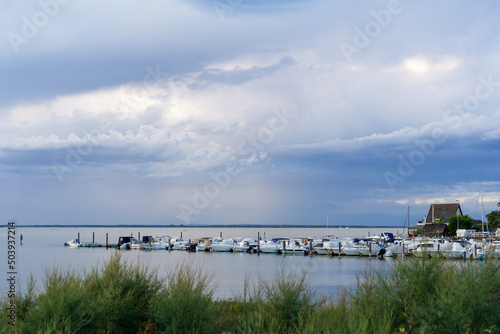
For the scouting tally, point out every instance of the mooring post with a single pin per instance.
(78, 237)
(169, 244)
(340, 248)
(475, 251)
(139, 236)
(403, 255)
(220, 234)
(181, 234)
(93, 237)
(258, 243)
(369, 249)
(283, 247)
(310, 247)
(107, 240)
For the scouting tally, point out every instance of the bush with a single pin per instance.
(185, 305)
(284, 305)
(113, 299)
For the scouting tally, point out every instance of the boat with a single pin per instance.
(125, 242)
(372, 249)
(178, 243)
(274, 245)
(326, 248)
(396, 249)
(349, 247)
(74, 243)
(431, 248)
(155, 243)
(296, 246)
(351, 251)
(246, 245)
(204, 244)
(135, 244)
(458, 251)
(222, 245)
(492, 249)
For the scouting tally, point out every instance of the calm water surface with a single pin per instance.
(43, 249)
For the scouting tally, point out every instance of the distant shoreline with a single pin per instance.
(211, 226)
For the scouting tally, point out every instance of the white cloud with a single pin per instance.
(424, 65)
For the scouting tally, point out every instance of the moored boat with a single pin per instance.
(73, 243)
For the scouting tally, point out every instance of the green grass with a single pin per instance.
(413, 296)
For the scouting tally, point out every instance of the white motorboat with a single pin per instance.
(395, 249)
(246, 245)
(458, 251)
(326, 248)
(372, 249)
(351, 251)
(492, 249)
(73, 243)
(274, 245)
(155, 243)
(431, 248)
(296, 246)
(178, 243)
(269, 247)
(203, 244)
(222, 245)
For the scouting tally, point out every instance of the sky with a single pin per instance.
(247, 112)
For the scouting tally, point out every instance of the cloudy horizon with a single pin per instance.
(239, 112)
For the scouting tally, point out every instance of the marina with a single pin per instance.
(328, 272)
(382, 246)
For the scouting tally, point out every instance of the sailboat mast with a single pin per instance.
(407, 230)
(482, 213)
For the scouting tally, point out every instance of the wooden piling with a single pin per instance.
(340, 248)
(93, 237)
(220, 234)
(78, 237)
(139, 236)
(283, 247)
(310, 247)
(107, 245)
(181, 234)
(169, 244)
(403, 255)
(369, 249)
(258, 243)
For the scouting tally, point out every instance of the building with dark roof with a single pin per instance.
(435, 230)
(441, 212)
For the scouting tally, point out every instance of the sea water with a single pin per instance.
(43, 250)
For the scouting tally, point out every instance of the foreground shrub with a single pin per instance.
(284, 305)
(108, 300)
(428, 296)
(185, 305)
